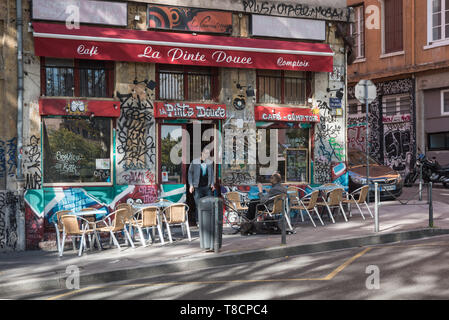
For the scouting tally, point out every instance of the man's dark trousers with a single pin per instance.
(199, 193)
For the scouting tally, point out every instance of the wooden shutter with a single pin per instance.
(393, 26)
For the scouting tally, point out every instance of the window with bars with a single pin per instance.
(439, 17)
(79, 78)
(187, 83)
(283, 87)
(393, 29)
(358, 31)
(353, 107)
(396, 105)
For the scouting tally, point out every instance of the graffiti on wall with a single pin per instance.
(290, 9)
(392, 139)
(329, 145)
(8, 160)
(136, 146)
(8, 220)
(32, 164)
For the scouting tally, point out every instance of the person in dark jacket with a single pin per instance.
(276, 189)
(201, 178)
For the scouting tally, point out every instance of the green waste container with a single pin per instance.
(210, 214)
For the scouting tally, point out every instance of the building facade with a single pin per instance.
(120, 97)
(401, 45)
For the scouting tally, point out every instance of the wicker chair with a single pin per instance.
(59, 228)
(308, 204)
(118, 224)
(362, 193)
(147, 218)
(277, 208)
(177, 214)
(71, 227)
(333, 199)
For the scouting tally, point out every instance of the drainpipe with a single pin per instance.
(19, 176)
(19, 24)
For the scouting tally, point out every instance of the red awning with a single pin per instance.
(79, 107)
(56, 40)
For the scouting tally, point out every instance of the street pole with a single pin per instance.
(367, 135)
(376, 208)
(430, 205)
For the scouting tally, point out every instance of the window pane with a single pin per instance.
(390, 106)
(436, 33)
(438, 141)
(393, 26)
(353, 108)
(436, 5)
(77, 150)
(171, 154)
(269, 89)
(446, 102)
(59, 77)
(287, 140)
(404, 105)
(92, 78)
(295, 90)
(171, 85)
(436, 19)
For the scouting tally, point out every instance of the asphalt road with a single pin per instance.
(408, 270)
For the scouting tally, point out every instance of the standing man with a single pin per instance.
(201, 178)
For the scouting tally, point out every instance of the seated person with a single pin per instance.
(276, 189)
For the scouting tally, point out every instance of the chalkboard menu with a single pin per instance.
(297, 165)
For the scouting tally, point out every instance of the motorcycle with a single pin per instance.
(431, 170)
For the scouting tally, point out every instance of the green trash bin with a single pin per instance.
(210, 214)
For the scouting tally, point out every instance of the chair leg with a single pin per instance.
(115, 240)
(82, 243)
(343, 211)
(369, 210)
(188, 229)
(58, 240)
(360, 210)
(161, 236)
(129, 237)
(62, 244)
(318, 214)
(330, 213)
(142, 238)
(74, 244)
(169, 232)
(287, 218)
(310, 217)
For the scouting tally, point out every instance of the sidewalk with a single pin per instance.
(42, 270)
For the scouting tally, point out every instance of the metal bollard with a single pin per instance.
(430, 205)
(376, 208)
(283, 224)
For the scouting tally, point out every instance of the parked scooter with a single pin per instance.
(431, 170)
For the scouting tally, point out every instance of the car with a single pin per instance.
(390, 181)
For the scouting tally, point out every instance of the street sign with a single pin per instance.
(360, 91)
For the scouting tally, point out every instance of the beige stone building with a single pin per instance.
(120, 96)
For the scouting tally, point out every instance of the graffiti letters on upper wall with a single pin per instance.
(288, 9)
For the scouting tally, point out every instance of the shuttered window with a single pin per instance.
(358, 31)
(393, 26)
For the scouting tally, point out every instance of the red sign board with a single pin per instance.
(179, 48)
(182, 110)
(79, 107)
(263, 113)
(189, 19)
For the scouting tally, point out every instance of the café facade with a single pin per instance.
(124, 105)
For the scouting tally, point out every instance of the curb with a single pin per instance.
(59, 282)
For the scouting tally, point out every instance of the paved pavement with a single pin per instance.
(34, 271)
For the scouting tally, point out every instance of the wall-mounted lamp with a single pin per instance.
(339, 93)
(150, 84)
(249, 92)
(92, 115)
